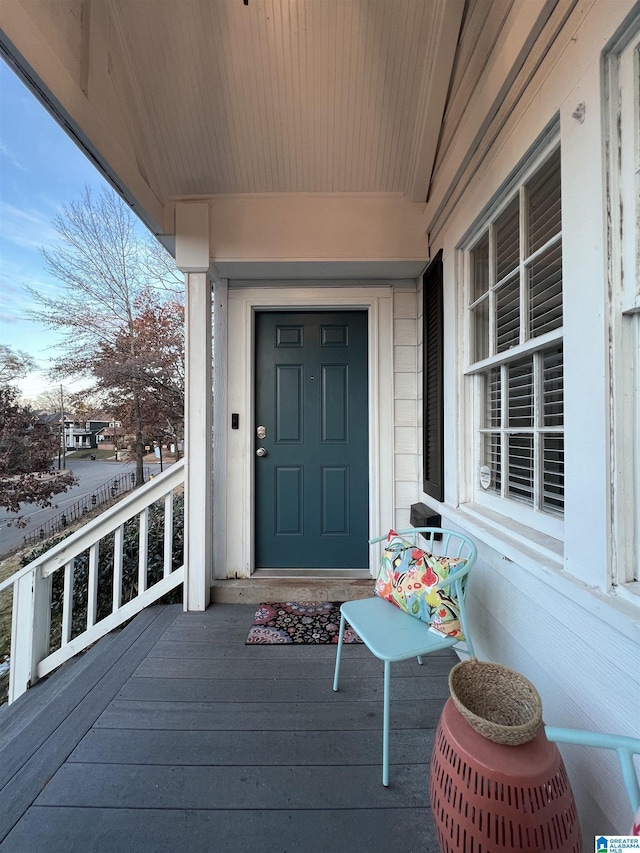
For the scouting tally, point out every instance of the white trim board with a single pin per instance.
(239, 484)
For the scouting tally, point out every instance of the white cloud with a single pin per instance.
(39, 381)
(12, 158)
(27, 229)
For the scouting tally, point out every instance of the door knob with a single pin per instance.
(261, 452)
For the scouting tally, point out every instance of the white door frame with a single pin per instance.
(242, 304)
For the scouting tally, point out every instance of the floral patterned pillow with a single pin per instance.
(406, 578)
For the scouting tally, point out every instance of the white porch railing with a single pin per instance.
(59, 598)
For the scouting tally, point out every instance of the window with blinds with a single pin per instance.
(515, 329)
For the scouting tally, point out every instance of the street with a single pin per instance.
(90, 474)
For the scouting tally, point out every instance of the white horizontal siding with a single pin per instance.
(546, 607)
(525, 624)
(405, 404)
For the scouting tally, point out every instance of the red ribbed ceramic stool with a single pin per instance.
(490, 798)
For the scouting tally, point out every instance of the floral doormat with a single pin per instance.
(309, 622)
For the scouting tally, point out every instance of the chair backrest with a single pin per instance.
(626, 747)
(450, 543)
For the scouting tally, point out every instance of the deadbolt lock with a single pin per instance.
(261, 432)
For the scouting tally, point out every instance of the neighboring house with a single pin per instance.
(418, 224)
(78, 434)
(81, 435)
(110, 433)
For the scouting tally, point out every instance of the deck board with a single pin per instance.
(248, 748)
(276, 690)
(60, 830)
(229, 787)
(188, 739)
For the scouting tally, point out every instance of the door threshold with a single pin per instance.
(323, 574)
(261, 587)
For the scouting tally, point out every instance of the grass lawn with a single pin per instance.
(98, 453)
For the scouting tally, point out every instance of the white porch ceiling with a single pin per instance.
(314, 130)
(282, 96)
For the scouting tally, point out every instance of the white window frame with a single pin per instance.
(474, 371)
(622, 93)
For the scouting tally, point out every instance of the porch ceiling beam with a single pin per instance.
(323, 230)
(192, 236)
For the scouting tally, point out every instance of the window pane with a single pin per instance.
(553, 474)
(493, 399)
(545, 293)
(521, 394)
(552, 388)
(508, 316)
(544, 204)
(492, 459)
(520, 482)
(480, 268)
(481, 330)
(508, 240)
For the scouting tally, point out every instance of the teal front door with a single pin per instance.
(312, 461)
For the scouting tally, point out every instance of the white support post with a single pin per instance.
(220, 427)
(30, 628)
(21, 636)
(192, 257)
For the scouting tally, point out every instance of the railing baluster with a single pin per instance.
(92, 592)
(42, 615)
(67, 602)
(168, 533)
(143, 548)
(118, 544)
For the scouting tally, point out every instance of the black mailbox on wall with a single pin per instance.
(424, 516)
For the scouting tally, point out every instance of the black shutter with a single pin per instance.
(433, 398)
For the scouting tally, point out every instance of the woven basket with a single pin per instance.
(497, 702)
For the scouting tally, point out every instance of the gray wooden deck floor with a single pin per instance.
(173, 735)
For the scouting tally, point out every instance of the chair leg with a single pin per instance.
(420, 660)
(385, 724)
(336, 674)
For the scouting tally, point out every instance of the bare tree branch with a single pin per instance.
(108, 276)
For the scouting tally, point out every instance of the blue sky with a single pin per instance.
(40, 170)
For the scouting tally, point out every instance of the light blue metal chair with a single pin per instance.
(393, 635)
(625, 747)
